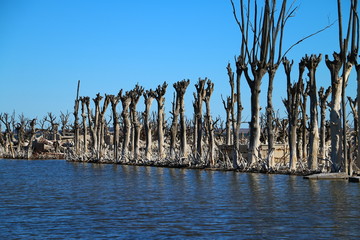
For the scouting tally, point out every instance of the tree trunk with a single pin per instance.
(31, 139)
(149, 96)
(311, 64)
(269, 116)
(174, 125)
(210, 129)
(83, 115)
(181, 89)
(114, 102)
(160, 92)
(292, 106)
(200, 89)
(323, 104)
(126, 100)
(135, 94)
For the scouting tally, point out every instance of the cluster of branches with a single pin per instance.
(261, 52)
(19, 134)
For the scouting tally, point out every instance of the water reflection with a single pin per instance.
(78, 200)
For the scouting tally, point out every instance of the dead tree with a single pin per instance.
(199, 99)
(64, 119)
(180, 88)
(323, 105)
(227, 106)
(353, 142)
(125, 101)
(338, 83)
(149, 96)
(159, 96)
(85, 101)
(101, 128)
(274, 27)
(50, 118)
(304, 92)
(209, 123)
(292, 106)
(114, 100)
(231, 104)
(311, 64)
(31, 138)
(20, 128)
(8, 121)
(174, 125)
(76, 121)
(135, 95)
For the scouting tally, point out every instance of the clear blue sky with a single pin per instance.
(47, 46)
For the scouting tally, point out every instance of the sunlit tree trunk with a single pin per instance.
(149, 96)
(135, 95)
(292, 106)
(126, 100)
(311, 64)
(159, 96)
(180, 90)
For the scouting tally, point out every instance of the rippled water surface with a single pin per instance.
(61, 200)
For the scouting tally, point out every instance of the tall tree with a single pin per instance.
(135, 95)
(209, 123)
(180, 89)
(149, 96)
(292, 106)
(114, 100)
(338, 83)
(311, 64)
(159, 96)
(125, 101)
(323, 95)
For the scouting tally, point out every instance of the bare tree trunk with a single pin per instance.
(149, 96)
(335, 106)
(199, 98)
(269, 116)
(353, 142)
(174, 125)
(208, 92)
(227, 107)
(115, 117)
(31, 139)
(160, 92)
(101, 128)
(304, 91)
(240, 66)
(254, 141)
(311, 64)
(76, 121)
(323, 104)
(83, 115)
(180, 90)
(135, 94)
(292, 106)
(126, 100)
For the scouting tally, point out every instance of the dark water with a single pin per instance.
(60, 200)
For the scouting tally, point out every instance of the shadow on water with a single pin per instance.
(59, 199)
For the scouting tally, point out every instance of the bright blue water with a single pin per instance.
(60, 200)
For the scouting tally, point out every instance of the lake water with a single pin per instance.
(62, 200)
